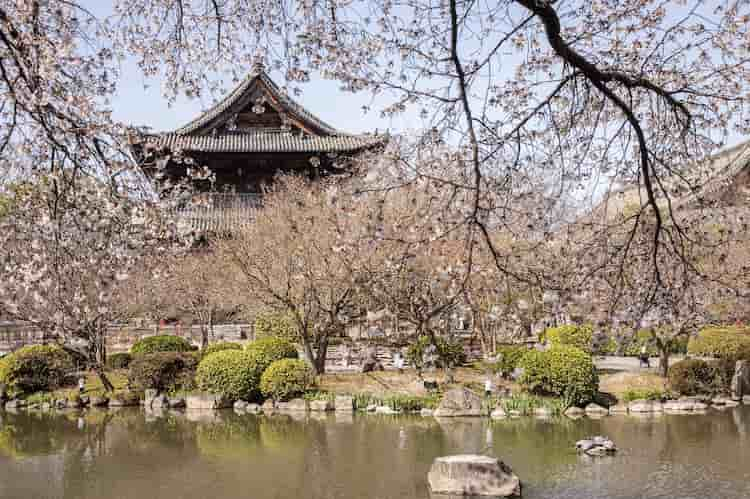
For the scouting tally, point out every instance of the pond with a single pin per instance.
(129, 454)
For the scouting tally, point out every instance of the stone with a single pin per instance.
(574, 412)
(159, 402)
(344, 403)
(384, 409)
(240, 406)
(724, 402)
(124, 399)
(542, 412)
(371, 407)
(15, 404)
(208, 401)
(97, 401)
(321, 405)
(642, 406)
(498, 413)
(473, 475)
(746, 399)
(268, 406)
(426, 413)
(253, 408)
(513, 413)
(740, 385)
(294, 405)
(459, 402)
(596, 409)
(176, 403)
(619, 409)
(149, 395)
(596, 446)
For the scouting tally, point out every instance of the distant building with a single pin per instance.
(252, 134)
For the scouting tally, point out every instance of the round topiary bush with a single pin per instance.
(163, 343)
(163, 371)
(286, 379)
(563, 371)
(723, 342)
(571, 335)
(119, 360)
(275, 325)
(266, 351)
(218, 347)
(35, 368)
(235, 374)
(691, 376)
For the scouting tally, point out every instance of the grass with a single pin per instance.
(525, 404)
(623, 382)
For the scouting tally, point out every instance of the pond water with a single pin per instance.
(129, 454)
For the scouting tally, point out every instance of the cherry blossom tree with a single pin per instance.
(67, 255)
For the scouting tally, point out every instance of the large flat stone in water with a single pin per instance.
(473, 475)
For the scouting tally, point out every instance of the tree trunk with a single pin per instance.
(204, 337)
(319, 364)
(99, 370)
(664, 359)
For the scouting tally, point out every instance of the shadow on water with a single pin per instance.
(132, 454)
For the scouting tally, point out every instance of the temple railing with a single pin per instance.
(217, 212)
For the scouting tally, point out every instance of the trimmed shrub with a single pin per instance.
(119, 360)
(163, 343)
(235, 374)
(724, 342)
(642, 394)
(571, 335)
(564, 371)
(286, 379)
(266, 351)
(35, 368)
(692, 376)
(218, 347)
(275, 325)
(163, 371)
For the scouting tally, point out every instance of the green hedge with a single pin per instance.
(218, 347)
(119, 360)
(275, 325)
(724, 342)
(163, 371)
(696, 376)
(163, 343)
(35, 368)
(578, 336)
(564, 371)
(235, 374)
(266, 351)
(286, 379)
(508, 358)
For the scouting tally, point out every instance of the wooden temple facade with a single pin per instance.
(254, 133)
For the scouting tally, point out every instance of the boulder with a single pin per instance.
(294, 405)
(205, 401)
(371, 407)
(684, 405)
(574, 412)
(740, 385)
(645, 406)
(513, 413)
(268, 406)
(542, 412)
(321, 405)
(159, 402)
(596, 409)
(176, 403)
(148, 397)
(596, 446)
(253, 408)
(15, 404)
(97, 401)
(498, 413)
(459, 402)
(124, 399)
(724, 402)
(426, 413)
(384, 409)
(344, 403)
(619, 409)
(240, 406)
(473, 475)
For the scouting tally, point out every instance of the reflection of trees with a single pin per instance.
(36, 434)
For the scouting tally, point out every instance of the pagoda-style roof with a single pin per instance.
(259, 117)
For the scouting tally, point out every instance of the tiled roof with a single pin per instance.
(235, 95)
(265, 142)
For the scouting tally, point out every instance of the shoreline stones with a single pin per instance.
(596, 410)
(206, 401)
(459, 402)
(645, 406)
(596, 446)
(474, 475)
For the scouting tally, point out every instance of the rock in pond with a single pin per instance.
(574, 412)
(97, 401)
(473, 475)
(176, 403)
(124, 399)
(596, 446)
(619, 409)
(542, 412)
(724, 402)
(321, 405)
(426, 413)
(596, 410)
(684, 405)
(253, 408)
(498, 413)
(344, 403)
(207, 401)
(645, 406)
(459, 402)
(294, 405)
(384, 409)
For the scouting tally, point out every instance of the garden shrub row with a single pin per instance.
(163, 371)
(723, 342)
(578, 336)
(163, 343)
(218, 347)
(697, 376)
(563, 371)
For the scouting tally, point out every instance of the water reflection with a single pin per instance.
(164, 454)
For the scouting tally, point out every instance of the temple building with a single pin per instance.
(251, 135)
